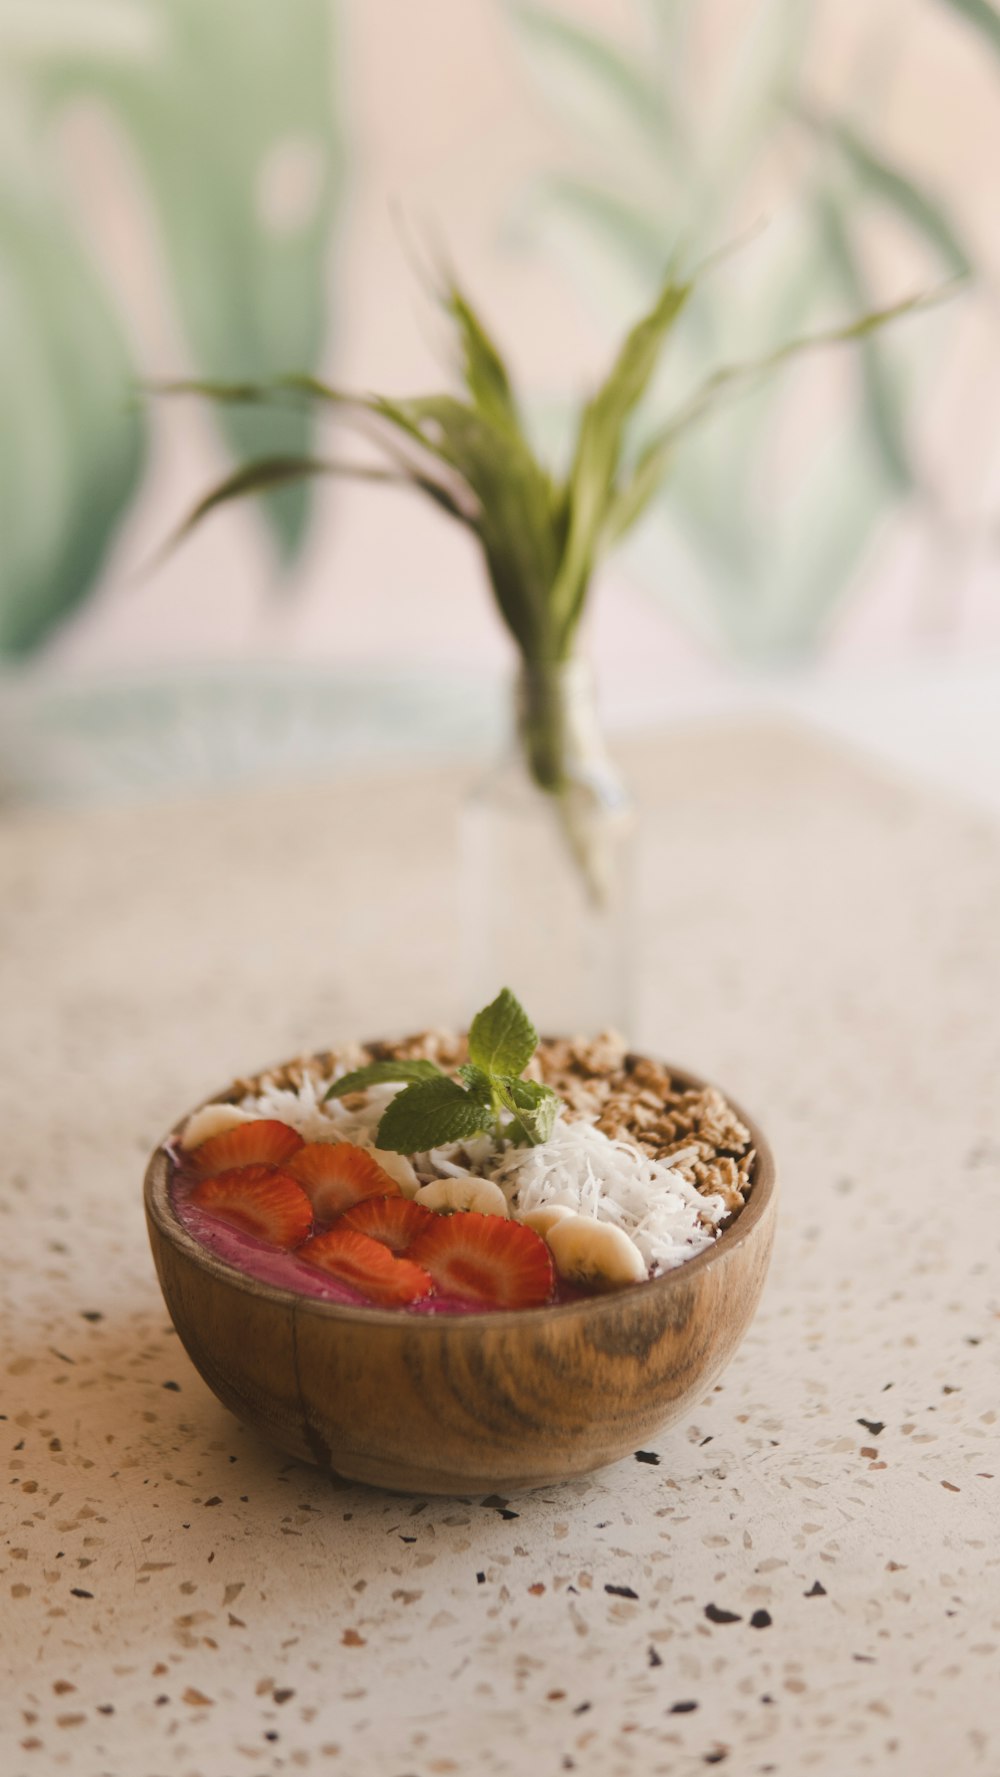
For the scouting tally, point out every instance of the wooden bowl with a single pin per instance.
(465, 1403)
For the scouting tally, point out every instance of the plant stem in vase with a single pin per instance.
(547, 849)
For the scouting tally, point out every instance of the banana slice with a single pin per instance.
(398, 1167)
(541, 1220)
(450, 1194)
(592, 1252)
(213, 1119)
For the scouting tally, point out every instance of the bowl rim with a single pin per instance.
(163, 1217)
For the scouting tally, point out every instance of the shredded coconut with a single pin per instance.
(584, 1170)
(302, 1107)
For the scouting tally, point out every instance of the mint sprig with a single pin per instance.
(435, 1109)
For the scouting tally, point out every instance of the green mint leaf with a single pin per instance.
(527, 1094)
(538, 1124)
(382, 1073)
(502, 1038)
(478, 1083)
(429, 1114)
(535, 1110)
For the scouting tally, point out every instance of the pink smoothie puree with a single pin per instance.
(285, 1271)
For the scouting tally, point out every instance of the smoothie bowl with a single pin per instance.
(449, 1264)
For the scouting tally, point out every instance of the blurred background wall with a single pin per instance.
(233, 188)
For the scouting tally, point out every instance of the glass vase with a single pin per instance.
(547, 843)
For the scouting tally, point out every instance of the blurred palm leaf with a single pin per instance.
(235, 139)
(606, 73)
(982, 15)
(632, 234)
(225, 107)
(877, 177)
(72, 446)
(883, 398)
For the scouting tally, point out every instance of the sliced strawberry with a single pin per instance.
(337, 1175)
(259, 1200)
(263, 1142)
(395, 1221)
(486, 1259)
(368, 1267)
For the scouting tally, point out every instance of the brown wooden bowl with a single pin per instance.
(465, 1403)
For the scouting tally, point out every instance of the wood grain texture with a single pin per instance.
(464, 1404)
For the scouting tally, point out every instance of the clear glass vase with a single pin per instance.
(547, 842)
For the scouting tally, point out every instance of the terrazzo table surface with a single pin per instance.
(803, 1577)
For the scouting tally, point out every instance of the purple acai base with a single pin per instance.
(285, 1271)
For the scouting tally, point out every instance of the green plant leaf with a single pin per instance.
(277, 472)
(213, 389)
(883, 405)
(514, 499)
(638, 487)
(535, 1110)
(229, 118)
(980, 14)
(73, 442)
(630, 230)
(483, 368)
(263, 477)
(732, 379)
(485, 475)
(832, 521)
(607, 68)
(525, 1095)
(383, 1073)
(880, 179)
(254, 478)
(429, 1114)
(477, 1082)
(502, 1038)
(594, 472)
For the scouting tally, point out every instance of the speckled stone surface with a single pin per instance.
(804, 1577)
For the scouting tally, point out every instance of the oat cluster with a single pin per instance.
(630, 1097)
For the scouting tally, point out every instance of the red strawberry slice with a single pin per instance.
(336, 1175)
(367, 1266)
(486, 1259)
(264, 1142)
(395, 1221)
(261, 1201)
